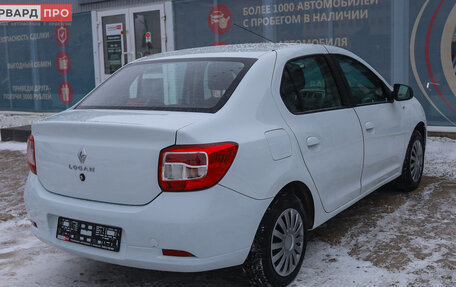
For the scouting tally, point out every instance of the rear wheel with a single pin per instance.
(280, 243)
(412, 169)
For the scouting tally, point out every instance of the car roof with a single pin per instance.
(255, 50)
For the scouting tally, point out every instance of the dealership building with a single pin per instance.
(48, 66)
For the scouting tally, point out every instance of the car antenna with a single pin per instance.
(254, 33)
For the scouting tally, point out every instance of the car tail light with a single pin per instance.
(178, 253)
(31, 154)
(194, 167)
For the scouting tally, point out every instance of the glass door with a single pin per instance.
(129, 34)
(149, 30)
(114, 46)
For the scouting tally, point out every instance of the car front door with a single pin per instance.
(380, 118)
(327, 129)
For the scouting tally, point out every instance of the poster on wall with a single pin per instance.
(363, 27)
(114, 44)
(54, 69)
(433, 59)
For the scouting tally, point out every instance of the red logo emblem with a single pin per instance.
(219, 19)
(63, 63)
(62, 34)
(65, 93)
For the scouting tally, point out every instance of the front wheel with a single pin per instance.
(412, 169)
(280, 243)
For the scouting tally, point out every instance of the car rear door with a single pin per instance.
(326, 127)
(381, 121)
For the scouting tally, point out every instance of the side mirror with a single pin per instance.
(402, 92)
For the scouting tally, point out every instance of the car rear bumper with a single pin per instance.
(216, 225)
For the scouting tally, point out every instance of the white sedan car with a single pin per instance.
(214, 157)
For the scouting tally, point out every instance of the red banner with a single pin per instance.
(36, 13)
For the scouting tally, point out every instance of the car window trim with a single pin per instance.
(374, 103)
(344, 102)
(321, 110)
(340, 80)
(347, 86)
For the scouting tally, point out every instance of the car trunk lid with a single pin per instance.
(106, 156)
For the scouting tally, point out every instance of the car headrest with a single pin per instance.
(152, 89)
(218, 77)
(297, 76)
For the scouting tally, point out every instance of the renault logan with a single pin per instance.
(214, 157)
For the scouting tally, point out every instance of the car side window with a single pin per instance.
(365, 86)
(307, 85)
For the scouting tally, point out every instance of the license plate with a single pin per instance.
(89, 234)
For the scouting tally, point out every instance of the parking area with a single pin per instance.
(389, 238)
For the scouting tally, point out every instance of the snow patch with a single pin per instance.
(13, 119)
(440, 157)
(13, 146)
(326, 264)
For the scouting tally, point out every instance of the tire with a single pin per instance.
(412, 169)
(267, 248)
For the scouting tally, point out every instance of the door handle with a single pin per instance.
(312, 141)
(369, 126)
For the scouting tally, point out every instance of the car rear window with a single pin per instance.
(199, 85)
